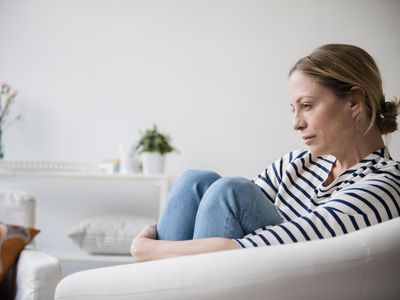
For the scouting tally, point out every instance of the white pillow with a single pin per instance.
(108, 234)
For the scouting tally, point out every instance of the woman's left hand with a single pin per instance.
(149, 232)
(140, 247)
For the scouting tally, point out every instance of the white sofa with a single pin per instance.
(360, 265)
(37, 273)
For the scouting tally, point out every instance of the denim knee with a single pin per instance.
(232, 189)
(200, 176)
(232, 183)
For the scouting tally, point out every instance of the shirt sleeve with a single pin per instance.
(358, 206)
(270, 179)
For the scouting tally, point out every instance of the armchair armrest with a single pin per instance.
(358, 265)
(37, 275)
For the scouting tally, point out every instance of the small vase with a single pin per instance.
(153, 163)
(1, 146)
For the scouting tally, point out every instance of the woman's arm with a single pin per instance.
(145, 247)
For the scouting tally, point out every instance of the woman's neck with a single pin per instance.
(351, 155)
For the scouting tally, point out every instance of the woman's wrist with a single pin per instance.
(142, 248)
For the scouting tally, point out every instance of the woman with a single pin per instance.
(344, 182)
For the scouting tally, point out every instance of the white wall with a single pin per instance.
(211, 73)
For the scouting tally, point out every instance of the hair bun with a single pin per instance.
(386, 120)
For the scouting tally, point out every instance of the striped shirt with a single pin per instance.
(368, 193)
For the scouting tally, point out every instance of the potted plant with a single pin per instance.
(153, 147)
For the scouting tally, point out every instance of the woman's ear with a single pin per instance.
(357, 100)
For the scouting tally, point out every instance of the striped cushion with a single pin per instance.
(108, 234)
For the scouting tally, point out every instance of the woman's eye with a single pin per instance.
(301, 106)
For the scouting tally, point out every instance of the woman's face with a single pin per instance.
(324, 120)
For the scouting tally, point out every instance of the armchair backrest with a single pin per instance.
(17, 207)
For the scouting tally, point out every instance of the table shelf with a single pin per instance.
(161, 181)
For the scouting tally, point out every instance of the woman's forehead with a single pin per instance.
(302, 85)
(300, 80)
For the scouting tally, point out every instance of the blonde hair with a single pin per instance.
(340, 67)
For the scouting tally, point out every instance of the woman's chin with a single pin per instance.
(315, 151)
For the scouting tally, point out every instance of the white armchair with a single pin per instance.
(37, 273)
(360, 265)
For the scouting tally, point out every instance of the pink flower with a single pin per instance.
(7, 97)
(5, 88)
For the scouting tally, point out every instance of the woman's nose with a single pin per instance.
(298, 122)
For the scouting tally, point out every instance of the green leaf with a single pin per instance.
(154, 141)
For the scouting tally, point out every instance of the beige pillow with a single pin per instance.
(13, 239)
(108, 234)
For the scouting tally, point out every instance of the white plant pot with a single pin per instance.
(153, 163)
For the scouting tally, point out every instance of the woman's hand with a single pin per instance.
(140, 246)
(149, 232)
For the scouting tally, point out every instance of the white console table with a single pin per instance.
(56, 216)
(160, 181)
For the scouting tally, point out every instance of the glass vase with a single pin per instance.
(1, 145)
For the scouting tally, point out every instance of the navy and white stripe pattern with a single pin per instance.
(366, 194)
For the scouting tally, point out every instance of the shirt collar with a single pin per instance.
(377, 159)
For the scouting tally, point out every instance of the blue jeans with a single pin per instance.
(203, 204)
